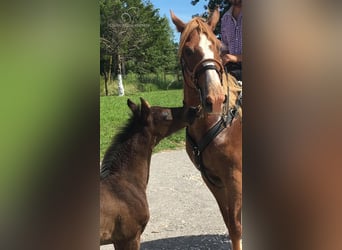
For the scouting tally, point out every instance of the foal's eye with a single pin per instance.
(167, 116)
(188, 51)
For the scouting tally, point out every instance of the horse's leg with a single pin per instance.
(127, 245)
(229, 199)
(133, 244)
(235, 228)
(233, 215)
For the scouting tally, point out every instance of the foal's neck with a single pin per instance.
(137, 152)
(130, 160)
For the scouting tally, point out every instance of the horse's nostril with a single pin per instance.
(208, 105)
(225, 99)
(208, 101)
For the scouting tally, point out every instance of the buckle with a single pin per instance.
(196, 151)
(233, 111)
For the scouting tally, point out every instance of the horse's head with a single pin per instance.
(199, 52)
(160, 122)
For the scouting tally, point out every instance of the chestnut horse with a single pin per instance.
(214, 138)
(124, 173)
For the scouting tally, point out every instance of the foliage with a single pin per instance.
(144, 83)
(210, 5)
(134, 30)
(114, 113)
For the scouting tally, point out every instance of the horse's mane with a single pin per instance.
(234, 90)
(115, 153)
(202, 27)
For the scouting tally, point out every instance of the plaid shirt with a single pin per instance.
(231, 32)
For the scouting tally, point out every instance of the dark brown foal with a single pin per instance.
(125, 169)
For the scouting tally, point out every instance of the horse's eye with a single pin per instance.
(188, 51)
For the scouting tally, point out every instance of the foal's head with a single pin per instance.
(158, 122)
(199, 51)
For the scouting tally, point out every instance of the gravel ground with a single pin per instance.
(183, 212)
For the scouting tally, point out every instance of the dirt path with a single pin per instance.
(184, 214)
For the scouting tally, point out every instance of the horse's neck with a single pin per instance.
(202, 125)
(133, 161)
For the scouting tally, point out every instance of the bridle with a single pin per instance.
(200, 68)
(226, 117)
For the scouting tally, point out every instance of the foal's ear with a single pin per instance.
(214, 18)
(132, 105)
(145, 109)
(180, 25)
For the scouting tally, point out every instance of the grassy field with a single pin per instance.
(114, 113)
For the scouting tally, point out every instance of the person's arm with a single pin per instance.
(226, 57)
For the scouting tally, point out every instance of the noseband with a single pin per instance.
(200, 68)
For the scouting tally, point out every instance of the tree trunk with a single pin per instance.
(120, 85)
(108, 79)
(106, 83)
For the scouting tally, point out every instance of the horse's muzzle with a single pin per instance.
(214, 104)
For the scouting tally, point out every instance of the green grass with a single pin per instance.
(114, 113)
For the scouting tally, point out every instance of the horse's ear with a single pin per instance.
(145, 108)
(180, 25)
(214, 18)
(132, 105)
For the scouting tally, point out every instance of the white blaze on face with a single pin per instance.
(211, 75)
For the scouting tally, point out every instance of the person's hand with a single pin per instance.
(229, 58)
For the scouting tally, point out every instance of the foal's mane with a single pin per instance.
(202, 27)
(115, 152)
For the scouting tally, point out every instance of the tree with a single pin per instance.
(133, 31)
(116, 28)
(211, 4)
(108, 43)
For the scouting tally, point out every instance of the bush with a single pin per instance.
(134, 83)
(147, 87)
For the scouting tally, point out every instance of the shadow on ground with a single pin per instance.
(215, 241)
